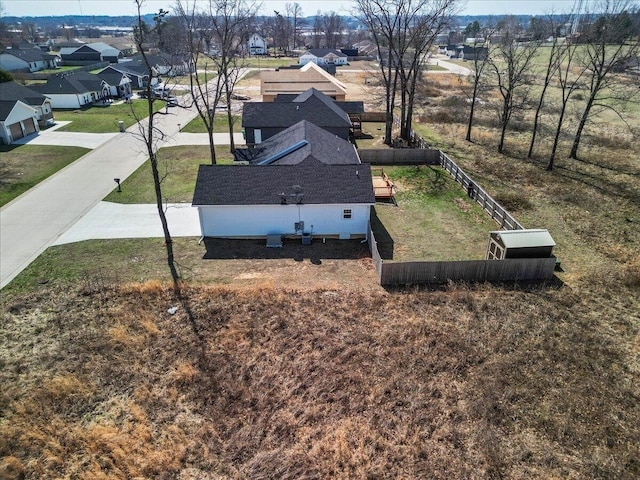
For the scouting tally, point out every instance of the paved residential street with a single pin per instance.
(36, 219)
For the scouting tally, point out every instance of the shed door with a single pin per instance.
(29, 126)
(257, 135)
(16, 131)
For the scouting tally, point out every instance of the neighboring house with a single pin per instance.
(90, 53)
(303, 192)
(274, 83)
(257, 45)
(323, 56)
(262, 120)
(454, 51)
(137, 74)
(27, 60)
(74, 90)
(119, 83)
(170, 65)
(10, 91)
(474, 52)
(300, 142)
(17, 120)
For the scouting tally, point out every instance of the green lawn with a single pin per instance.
(434, 219)
(219, 124)
(105, 119)
(179, 165)
(23, 166)
(270, 62)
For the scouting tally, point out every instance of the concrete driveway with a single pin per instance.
(52, 136)
(115, 220)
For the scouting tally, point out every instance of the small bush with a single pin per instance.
(513, 201)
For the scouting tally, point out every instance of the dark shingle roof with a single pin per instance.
(251, 185)
(321, 145)
(311, 105)
(28, 55)
(76, 82)
(321, 52)
(5, 108)
(129, 68)
(15, 91)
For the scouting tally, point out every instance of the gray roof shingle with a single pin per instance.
(252, 185)
(76, 82)
(15, 91)
(321, 145)
(311, 105)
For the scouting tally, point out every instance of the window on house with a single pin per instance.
(346, 213)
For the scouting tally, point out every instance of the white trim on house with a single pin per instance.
(18, 117)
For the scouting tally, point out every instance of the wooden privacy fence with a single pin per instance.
(424, 272)
(477, 193)
(399, 156)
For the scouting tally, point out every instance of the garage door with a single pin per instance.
(16, 131)
(29, 126)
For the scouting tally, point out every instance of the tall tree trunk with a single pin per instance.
(536, 121)
(556, 138)
(472, 111)
(581, 125)
(212, 147)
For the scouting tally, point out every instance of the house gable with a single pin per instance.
(299, 143)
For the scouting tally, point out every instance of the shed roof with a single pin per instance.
(525, 238)
(253, 185)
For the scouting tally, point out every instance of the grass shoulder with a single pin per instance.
(178, 166)
(105, 119)
(24, 166)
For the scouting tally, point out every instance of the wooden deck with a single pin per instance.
(382, 185)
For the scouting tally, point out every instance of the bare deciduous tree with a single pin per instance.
(610, 42)
(403, 31)
(149, 134)
(478, 73)
(294, 14)
(568, 83)
(556, 54)
(511, 63)
(333, 25)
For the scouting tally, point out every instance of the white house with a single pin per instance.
(13, 91)
(27, 60)
(17, 120)
(240, 201)
(257, 45)
(303, 180)
(74, 90)
(323, 56)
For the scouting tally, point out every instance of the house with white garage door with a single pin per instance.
(17, 120)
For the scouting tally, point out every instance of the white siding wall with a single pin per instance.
(9, 62)
(70, 100)
(248, 221)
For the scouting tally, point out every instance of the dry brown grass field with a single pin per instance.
(250, 380)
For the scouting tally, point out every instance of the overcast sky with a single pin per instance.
(23, 8)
